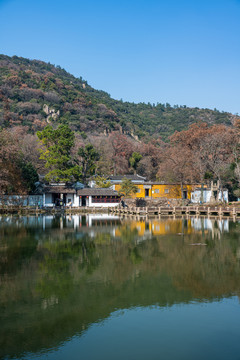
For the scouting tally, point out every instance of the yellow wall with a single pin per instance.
(174, 191)
(161, 227)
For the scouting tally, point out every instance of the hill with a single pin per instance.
(34, 93)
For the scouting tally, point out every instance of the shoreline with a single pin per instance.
(144, 212)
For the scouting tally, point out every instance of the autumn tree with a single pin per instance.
(151, 156)
(176, 166)
(235, 166)
(121, 149)
(16, 175)
(196, 152)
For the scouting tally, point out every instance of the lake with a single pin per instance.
(103, 287)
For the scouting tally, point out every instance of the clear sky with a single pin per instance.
(184, 52)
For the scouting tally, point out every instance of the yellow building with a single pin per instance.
(158, 190)
(154, 190)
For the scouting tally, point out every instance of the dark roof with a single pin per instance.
(208, 189)
(168, 183)
(59, 189)
(130, 177)
(97, 192)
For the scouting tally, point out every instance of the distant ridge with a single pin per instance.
(34, 93)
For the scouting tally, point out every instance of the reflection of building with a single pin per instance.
(94, 224)
(162, 227)
(180, 226)
(90, 223)
(216, 227)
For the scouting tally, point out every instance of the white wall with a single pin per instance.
(48, 200)
(223, 195)
(103, 204)
(69, 197)
(196, 196)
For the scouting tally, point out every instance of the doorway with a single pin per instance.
(146, 192)
(84, 202)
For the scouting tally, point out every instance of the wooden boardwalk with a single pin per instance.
(178, 210)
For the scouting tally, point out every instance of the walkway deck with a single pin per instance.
(178, 210)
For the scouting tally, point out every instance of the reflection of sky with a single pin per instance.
(192, 331)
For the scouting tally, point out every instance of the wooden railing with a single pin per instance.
(165, 210)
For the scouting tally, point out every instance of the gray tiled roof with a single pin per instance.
(130, 177)
(59, 189)
(97, 192)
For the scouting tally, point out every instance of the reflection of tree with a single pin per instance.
(57, 274)
(127, 233)
(17, 248)
(66, 280)
(135, 257)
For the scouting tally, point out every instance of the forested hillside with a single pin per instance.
(34, 94)
(57, 126)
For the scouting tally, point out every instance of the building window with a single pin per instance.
(105, 199)
(138, 190)
(166, 191)
(156, 191)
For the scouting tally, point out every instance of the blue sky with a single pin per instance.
(180, 52)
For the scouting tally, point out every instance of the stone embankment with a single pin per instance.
(178, 210)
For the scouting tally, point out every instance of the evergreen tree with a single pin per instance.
(127, 188)
(88, 157)
(57, 153)
(134, 160)
(102, 182)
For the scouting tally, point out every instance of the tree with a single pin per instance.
(235, 166)
(217, 154)
(151, 152)
(102, 182)
(16, 175)
(134, 160)
(88, 157)
(127, 188)
(198, 152)
(176, 166)
(10, 174)
(29, 175)
(57, 153)
(120, 151)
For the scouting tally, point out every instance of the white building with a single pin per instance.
(95, 197)
(60, 195)
(208, 195)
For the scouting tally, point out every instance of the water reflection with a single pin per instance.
(95, 223)
(60, 275)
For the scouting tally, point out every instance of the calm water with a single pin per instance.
(99, 287)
